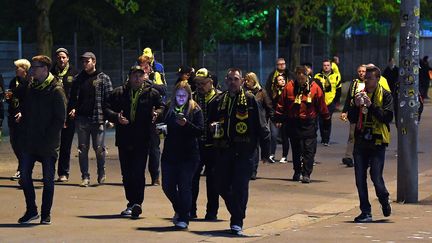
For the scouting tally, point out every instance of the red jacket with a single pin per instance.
(312, 103)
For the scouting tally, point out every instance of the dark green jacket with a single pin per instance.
(43, 117)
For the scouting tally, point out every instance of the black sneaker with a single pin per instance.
(46, 220)
(306, 179)
(296, 177)
(28, 217)
(136, 211)
(386, 209)
(210, 217)
(155, 182)
(363, 218)
(193, 215)
(348, 162)
(254, 176)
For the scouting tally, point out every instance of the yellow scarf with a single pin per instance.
(379, 129)
(179, 109)
(44, 84)
(135, 94)
(209, 95)
(63, 73)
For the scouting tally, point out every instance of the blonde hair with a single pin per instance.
(22, 63)
(192, 105)
(253, 77)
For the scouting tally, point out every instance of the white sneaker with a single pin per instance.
(283, 160)
(85, 182)
(126, 212)
(236, 230)
(272, 159)
(16, 176)
(62, 178)
(181, 225)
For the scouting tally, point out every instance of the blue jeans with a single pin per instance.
(274, 136)
(48, 171)
(85, 128)
(177, 186)
(373, 158)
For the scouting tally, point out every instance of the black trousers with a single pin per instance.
(233, 172)
(325, 132)
(133, 163)
(13, 138)
(154, 155)
(67, 135)
(207, 157)
(303, 150)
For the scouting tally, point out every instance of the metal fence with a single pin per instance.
(257, 57)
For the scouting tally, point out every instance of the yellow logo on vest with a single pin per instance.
(69, 79)
(241, 127)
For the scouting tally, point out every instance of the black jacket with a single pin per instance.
(67, 79)
(43, 117)
(181, 143)
(206, 138)
(18, 87)
(383, 114)
(392, 76)
(137, 133)
(235, 136)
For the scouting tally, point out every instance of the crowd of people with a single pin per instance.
(226, 133)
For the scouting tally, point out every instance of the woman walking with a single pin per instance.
(180, 157)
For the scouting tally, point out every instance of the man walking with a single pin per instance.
(371, 110)
(240, 123)
(133, 107)
(205, 95)
(42, 117)
(300, 104)
(65, 73)
(332, 85)
(356, 86)
(89, 94)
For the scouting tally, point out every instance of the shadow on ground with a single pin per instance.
(16, 225)
(379, 221)
(107, 216)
